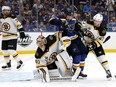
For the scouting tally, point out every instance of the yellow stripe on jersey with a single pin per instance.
(62, 19)
(98, 44)
(11, 36)
(43, 56)
(90, 25)
(73, 38)
(53, 44)
(74, 19)
(19, 26)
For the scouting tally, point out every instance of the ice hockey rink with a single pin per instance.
(96, 75)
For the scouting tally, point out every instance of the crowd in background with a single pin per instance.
(33, 13)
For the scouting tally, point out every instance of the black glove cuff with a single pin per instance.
(22, 34)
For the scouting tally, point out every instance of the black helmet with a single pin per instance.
(68, 11)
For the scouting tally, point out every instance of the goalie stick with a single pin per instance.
(61, 79)
(106, 39)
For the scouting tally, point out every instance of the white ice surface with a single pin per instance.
(96, 75)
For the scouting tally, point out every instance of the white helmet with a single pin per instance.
(6, 7)
(98, 17)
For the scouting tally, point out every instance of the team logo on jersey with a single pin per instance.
(25, 41)
(6, 26)
(70, 27)
(52, 57)
(89, 34)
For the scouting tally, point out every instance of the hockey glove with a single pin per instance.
(92, 46)
(63, 24)
(22, 35)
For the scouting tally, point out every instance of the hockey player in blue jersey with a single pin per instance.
(77, 49)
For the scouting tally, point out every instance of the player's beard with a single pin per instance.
(7, 13)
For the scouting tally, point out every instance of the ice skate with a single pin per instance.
(7, 66)
(20, 65)
(108, 76)
(82, 75)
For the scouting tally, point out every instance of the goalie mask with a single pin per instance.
(41, 39)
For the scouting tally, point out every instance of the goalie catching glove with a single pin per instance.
(92, 45)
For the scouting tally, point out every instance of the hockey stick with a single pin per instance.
(106, 39)
(8, 32)
(115, 76)
(64, 79)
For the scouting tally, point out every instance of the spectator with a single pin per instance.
(86, 7)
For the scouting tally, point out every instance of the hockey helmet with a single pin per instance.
(41, 38)
(6, 8)
(98, 17)
(68, 11)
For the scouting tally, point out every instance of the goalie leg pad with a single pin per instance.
(76, 74)
(64, 64)
(44, 74)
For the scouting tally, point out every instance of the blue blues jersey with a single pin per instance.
(68, 27)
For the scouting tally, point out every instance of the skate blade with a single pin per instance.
(20, 67)
(6, 69)
(62, 79)
(109, 79)
(80, 77)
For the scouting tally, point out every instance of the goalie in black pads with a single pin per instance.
(45, 57)
(48, 56)
(10, 24)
